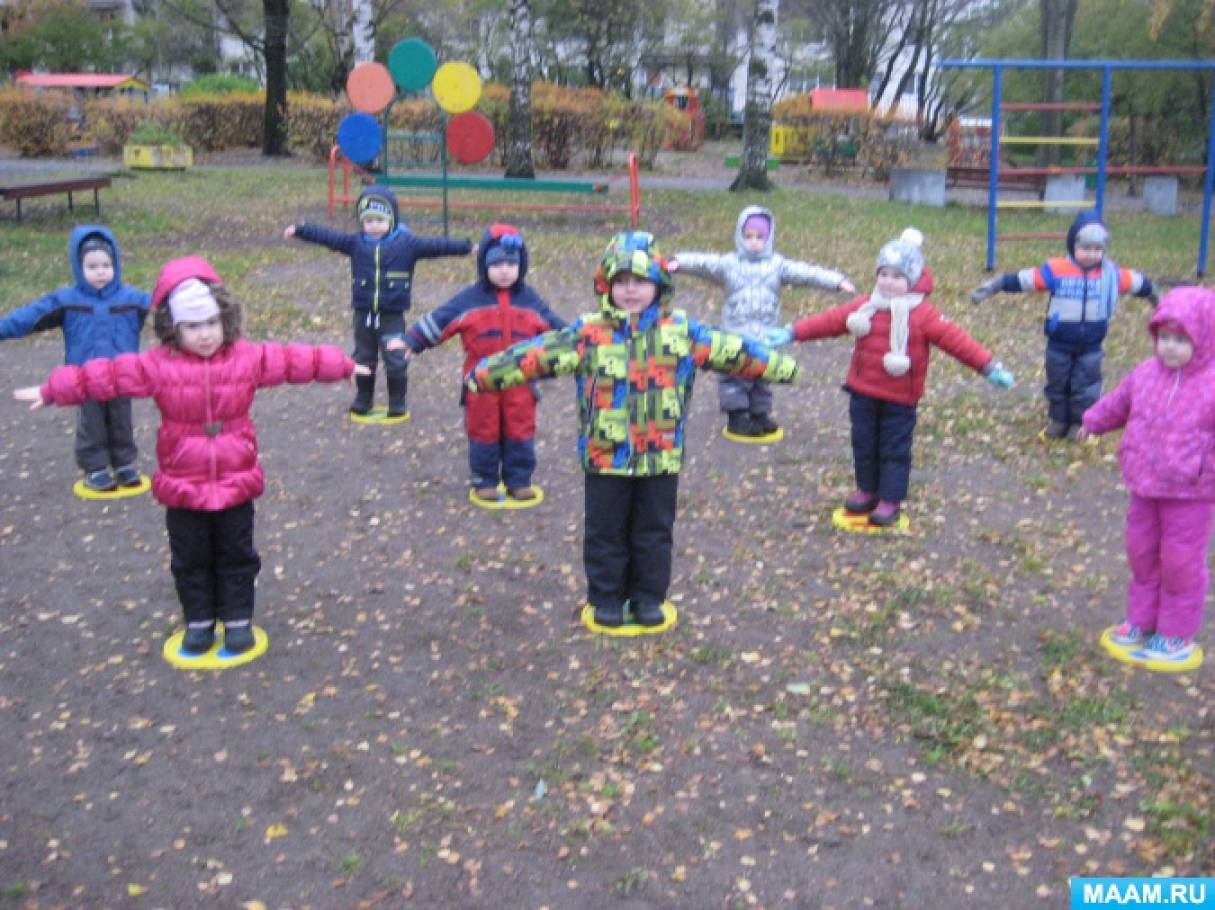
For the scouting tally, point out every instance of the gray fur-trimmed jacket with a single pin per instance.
(752, 281)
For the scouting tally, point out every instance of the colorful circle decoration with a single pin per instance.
(360, 138)
(84, 492)
(1135, 656)
(412, 63)
(767, 439)
(470, 137)
(370, 88)
(379, 416)
(859, 524)
(456, 87)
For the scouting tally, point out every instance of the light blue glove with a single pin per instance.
(779, 337)
(1000, 377)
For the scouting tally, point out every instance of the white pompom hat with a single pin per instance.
(905, 254)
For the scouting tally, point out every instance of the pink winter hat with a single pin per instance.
(175, 271)
(762, 224)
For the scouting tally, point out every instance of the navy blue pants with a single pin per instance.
(214, 562)
(1073, 383)
(629, 535)
(881, 445)
(514, 460)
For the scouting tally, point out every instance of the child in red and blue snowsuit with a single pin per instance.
(382, 259)
(489, 316)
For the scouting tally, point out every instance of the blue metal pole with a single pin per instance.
(1208, 184)
(1103, 141)
(993, 168)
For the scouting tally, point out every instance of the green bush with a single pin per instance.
(220, 84)
(152, 132)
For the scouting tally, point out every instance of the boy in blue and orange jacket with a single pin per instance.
(382, 259)
(1084, 287)
(489, 316)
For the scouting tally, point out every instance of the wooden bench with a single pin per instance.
(978, 176)
(19, 191)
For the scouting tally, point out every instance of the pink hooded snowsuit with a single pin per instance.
(1167, 456)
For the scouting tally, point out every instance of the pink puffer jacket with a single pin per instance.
(1168, 449)
(206, 445)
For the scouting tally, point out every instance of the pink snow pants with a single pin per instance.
(1166, 546)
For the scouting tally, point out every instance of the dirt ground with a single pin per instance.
(835, 722)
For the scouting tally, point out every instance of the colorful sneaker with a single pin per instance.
(1173, 650)
(127, 476)
(1129, 635)
(885, 515)
(100, 481)
(860, 503)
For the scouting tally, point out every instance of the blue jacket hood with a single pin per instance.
(493, 237)
(382, 192)
(80, 234)
(1083, 219)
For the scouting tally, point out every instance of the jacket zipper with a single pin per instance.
(210, 419)
(375, 303)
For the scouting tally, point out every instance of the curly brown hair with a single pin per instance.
(229, 317)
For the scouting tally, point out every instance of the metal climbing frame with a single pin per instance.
(1102, 169)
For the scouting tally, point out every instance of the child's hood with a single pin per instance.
(494, 236)
(769, 244)
(1193, 308)
(1082, 220)
(382, 192)
(80, 234)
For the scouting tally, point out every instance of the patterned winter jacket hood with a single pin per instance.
(95, 323)
(753, 281)
(381, 270)
(1168, 447)
(866, 373)
(634, 378)
(206, 445)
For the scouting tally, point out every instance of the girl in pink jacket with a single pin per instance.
(203, 379)
(1167, 454)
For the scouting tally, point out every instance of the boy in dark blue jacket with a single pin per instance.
(382, 259)
(100, 317)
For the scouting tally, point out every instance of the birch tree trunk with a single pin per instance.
(757, 116)
(519, 113)
(362, 25)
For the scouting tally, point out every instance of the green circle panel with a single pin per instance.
(412, 63)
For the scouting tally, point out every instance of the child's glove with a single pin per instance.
(778, 337)
(988, 288)
(1000, 377)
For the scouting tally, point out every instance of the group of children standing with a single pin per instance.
(634, 361)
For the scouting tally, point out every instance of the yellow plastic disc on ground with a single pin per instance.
(775, 436)
(1127, 655)
(506, 502)
(456, 87)
(859, 524)
(631, 627)
(380, 415)
(145, 484)
(216, 658)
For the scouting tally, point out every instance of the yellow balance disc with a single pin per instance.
(775, 436)
(216, 658)
(631, 627)
(380, 416)
(456, 87)
(1127, 655)
(145, 484)
(506, 502)
(859, 524)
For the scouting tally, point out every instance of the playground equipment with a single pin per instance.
(464, 134)
(687, 99)
(1102, 169)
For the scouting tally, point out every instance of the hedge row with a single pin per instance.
(569, 126)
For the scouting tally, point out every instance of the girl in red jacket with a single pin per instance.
(895, 327)
(203, 379)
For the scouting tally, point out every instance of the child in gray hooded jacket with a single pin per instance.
(753, 277)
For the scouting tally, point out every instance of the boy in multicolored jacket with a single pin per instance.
(753, 276)
(489, 316)
(634, 362)
(382, 259)
(1084, 287)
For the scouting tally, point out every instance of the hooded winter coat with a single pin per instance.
(753, 281)
(1168, 447)
(381, 269)
(95, 323)
(206, 445)
(867, 373)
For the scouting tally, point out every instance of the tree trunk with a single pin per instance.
(1056, 33)
(757, 117)
(362, 25)
(519, 116)
(274, 134)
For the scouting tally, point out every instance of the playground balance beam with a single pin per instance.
(19, 191)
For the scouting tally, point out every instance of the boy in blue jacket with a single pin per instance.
(100, 317)
(382, 259)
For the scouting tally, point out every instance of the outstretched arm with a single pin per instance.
(1021, 282)
(806, 274)
(725, 352)
(551, 354)
(126, 376)
(710, 266)
(300, 363)
(44, 313)
(1111, 410)
(434, 247)
(326, 237)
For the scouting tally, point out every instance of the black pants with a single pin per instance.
(881, 445)
(104, 436)
(630, 523)
(370, 334)
(214, 562)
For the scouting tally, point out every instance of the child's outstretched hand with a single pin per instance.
(778, 337)
(289, 232)
(672, 266)
(1000, 377)
(30, 393)
(988, 288)
(846, 286)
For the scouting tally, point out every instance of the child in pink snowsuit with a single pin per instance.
(1167, 405)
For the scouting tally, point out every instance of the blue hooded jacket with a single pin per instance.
(381, 270)
(95, 323)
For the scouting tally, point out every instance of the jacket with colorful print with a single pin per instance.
(634, 380)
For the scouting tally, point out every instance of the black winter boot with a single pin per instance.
(739, 423)
(764, 424)
(365, 395)
(397, 387)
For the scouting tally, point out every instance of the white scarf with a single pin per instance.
(860, 321)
